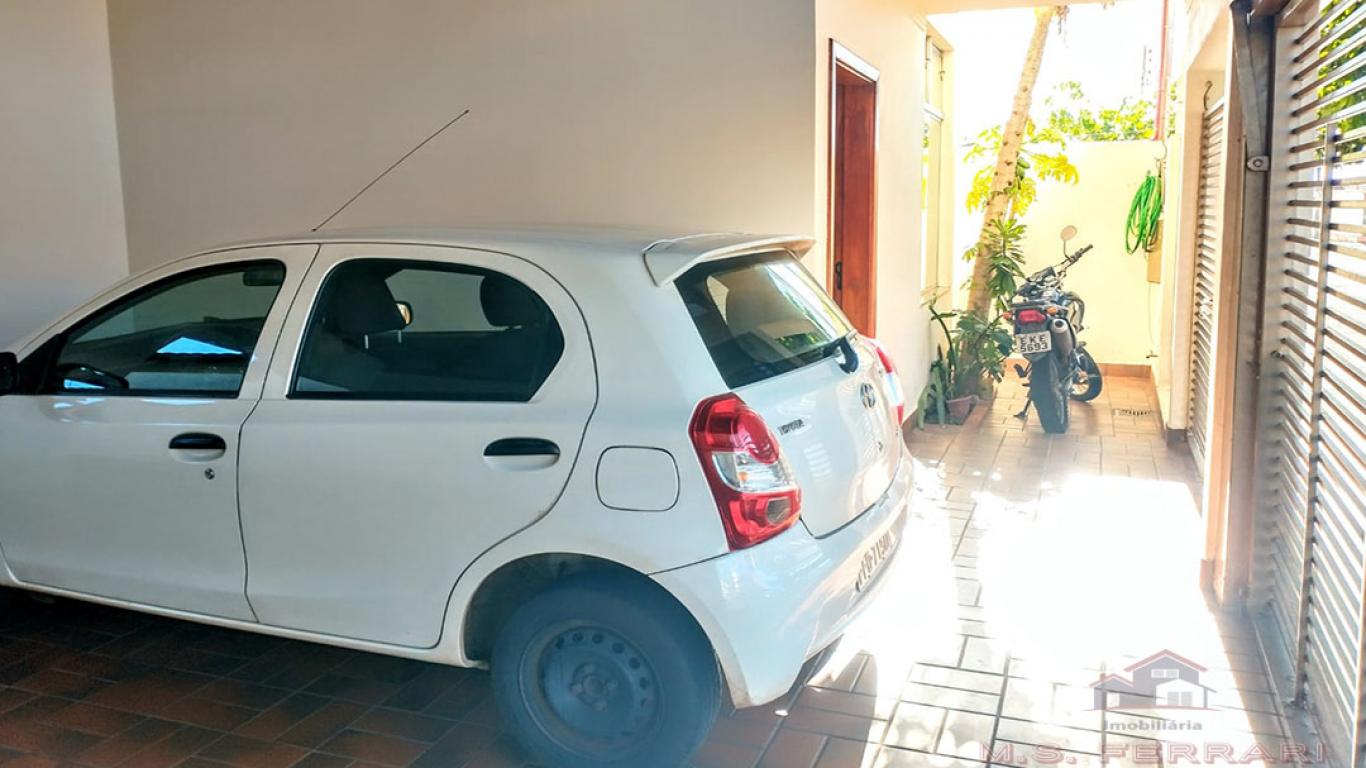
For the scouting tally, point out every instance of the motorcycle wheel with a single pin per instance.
(1050, 395)
(1087, 382)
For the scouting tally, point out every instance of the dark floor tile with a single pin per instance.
(206, 713)
(88, 718)
(282, 717)
(171, 750)
(242, 694)
(148, 693)
(55, 682)
(384, 669)
(352, 689)
(375, 748)
(34, 736)
(323, 724)
(115, 750)
(457, 748)
(432, 683)
(320, 760)
(12, 697)
(252, 753)
(459, 701)
(406, 725)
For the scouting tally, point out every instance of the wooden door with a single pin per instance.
(853, 188)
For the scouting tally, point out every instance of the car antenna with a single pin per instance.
(386, 171)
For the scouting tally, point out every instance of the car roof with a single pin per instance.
(605, 239)
(666, 253)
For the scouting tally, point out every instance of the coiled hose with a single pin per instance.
(1145, 215)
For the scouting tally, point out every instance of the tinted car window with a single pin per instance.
(760, 316)
(386, 329)
(192, 334)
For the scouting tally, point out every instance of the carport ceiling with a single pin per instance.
(931, 7)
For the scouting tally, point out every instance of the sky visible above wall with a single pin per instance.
(1112, 51)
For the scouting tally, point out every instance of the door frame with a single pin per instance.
(852, 66)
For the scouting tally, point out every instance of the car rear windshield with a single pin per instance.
(760, 316)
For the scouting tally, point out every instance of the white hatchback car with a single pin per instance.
(631, 475)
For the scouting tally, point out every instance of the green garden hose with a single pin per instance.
(1145, 215)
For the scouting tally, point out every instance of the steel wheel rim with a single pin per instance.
(590, 690)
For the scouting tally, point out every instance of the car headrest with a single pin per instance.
(508, 303)
(361, 305)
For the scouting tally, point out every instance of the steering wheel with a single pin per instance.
(86, 374)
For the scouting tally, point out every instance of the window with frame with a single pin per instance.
(389, 329)
(192, 334)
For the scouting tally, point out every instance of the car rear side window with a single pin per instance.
(760, 316)
(387, 329)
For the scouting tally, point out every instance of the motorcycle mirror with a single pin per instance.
(1069, 232)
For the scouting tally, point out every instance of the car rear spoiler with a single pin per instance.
(667, 259)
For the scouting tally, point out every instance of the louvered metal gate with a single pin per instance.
(1207, 239)
(1311, 547)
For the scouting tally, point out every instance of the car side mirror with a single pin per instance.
(405, 309)
(9, 373)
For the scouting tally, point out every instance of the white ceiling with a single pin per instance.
(930, 7)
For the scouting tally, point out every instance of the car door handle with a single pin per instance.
(521, 446)
(198, 441)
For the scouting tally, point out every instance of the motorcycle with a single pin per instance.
(1047, 319)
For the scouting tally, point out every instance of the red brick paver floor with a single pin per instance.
(1032, 565)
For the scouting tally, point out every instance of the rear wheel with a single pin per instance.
(1049, 392)
(605, 672)
(1086, 383)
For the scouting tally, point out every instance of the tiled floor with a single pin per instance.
(1033, 565)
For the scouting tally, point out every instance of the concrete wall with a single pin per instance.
(891, 37)
(1123, 317)
(61, 209)
(250, 117)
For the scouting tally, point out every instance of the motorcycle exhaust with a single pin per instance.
(1063, 340)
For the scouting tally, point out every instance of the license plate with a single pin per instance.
(1032, 343)
(874, 558)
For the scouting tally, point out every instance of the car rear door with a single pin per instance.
(118, 463)
(783, 345)
(425, 403)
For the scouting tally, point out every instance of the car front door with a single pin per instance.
(425, 404)
(118, 456)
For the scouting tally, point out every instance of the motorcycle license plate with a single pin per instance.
(1033, 343)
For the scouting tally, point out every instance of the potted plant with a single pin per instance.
(973, 360)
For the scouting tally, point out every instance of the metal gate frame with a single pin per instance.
(1309, 588)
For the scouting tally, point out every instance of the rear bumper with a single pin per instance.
(768, 609)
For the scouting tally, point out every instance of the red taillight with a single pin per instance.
(895, 393)
(754, 488)
(1029, 316)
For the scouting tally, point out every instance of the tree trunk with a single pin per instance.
(979, 300)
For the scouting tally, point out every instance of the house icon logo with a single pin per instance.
(1164, 680)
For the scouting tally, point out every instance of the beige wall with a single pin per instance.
(61, 210)
(1123, 313)
(252, 117)
(1203, 82)
(257, 116)
(886, 34)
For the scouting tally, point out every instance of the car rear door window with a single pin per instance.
(760, 316)
(192, 334)
(388, 329)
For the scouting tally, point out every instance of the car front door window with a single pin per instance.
(193, 334)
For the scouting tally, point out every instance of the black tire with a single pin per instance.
(604, 672)
(1050, 395)
(1088, 382)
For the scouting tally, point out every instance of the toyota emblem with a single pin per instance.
(868, 395)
